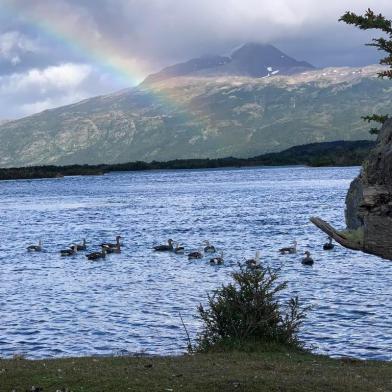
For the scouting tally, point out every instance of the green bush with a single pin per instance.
(247, 312)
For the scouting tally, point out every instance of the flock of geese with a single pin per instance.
(106, 247)
(177, 248)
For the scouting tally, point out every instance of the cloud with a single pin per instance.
(40, 89)
(14, 45)
(63, 50)
(65, 76)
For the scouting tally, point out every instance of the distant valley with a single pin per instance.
(256, 101)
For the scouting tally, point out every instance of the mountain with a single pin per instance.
(202, 116)
(253, 60)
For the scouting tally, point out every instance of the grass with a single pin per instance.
(258, 370)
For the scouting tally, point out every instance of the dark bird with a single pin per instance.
(82, 246)
(255, 262)
(217, 260)
(195, 255)
(97, 255)
(328, 245)
(111, 245)
(289, 249)
(35, 248)
(69, 252)
(307, 260)
(209, 248)
(179, 249)
(165, 248)
(116, 249)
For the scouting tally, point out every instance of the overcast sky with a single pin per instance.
(55, 52)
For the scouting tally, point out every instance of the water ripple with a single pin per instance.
(52, 306)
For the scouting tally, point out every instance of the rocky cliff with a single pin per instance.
(369, 203)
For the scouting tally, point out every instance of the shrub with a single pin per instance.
(248, 312)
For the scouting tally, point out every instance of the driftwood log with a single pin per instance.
(339, 237)
(369, 203)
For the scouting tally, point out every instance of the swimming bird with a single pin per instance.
(165, 248)
(35, 248)
(116, 249)
(82, 246)
(307, 260)
(69, 252)
(209, 248)
(195, 255)
(97, 255)
(111, 245)
(179, 249)
(289, 249)
(217, 260)
(255, 262)
(329, 245)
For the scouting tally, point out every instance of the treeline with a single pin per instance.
(340, 153)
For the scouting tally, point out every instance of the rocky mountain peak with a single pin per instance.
(251, 60)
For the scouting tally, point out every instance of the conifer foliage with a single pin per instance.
(369, 21)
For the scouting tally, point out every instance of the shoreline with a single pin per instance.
(260, 370)
(328, 154)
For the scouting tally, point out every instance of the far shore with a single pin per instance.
(339, 153)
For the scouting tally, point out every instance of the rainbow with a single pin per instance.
(65, 28)
(100, 51)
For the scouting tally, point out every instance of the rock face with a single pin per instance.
(369, 199)
(369, 203)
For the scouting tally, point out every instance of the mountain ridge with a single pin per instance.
(201, 116)
(251, 59)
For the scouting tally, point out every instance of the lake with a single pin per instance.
(52, 306)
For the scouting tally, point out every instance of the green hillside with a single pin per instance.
(201, 117)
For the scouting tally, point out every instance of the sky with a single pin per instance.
(57, 52)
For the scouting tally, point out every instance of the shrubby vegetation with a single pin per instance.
(340, 153)
(248, 313)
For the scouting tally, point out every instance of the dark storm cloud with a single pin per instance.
(155, 33)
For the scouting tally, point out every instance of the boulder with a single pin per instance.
(369, 203)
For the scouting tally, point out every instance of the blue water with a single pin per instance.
(52, 306)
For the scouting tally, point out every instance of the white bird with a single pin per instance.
(289, 249)
(35, 248)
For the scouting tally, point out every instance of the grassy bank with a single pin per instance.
(281, 370)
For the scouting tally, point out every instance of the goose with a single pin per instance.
(307, 260)
(165, 248)
(69, 252)
(116, 249)
(179, 249)
(97, 255)
(290, 249)
(111, 245)
(217, 260)
(35, 248)
(82, 246)
(255, 262)
(209, 248)
(195, 255)
(329, 245)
